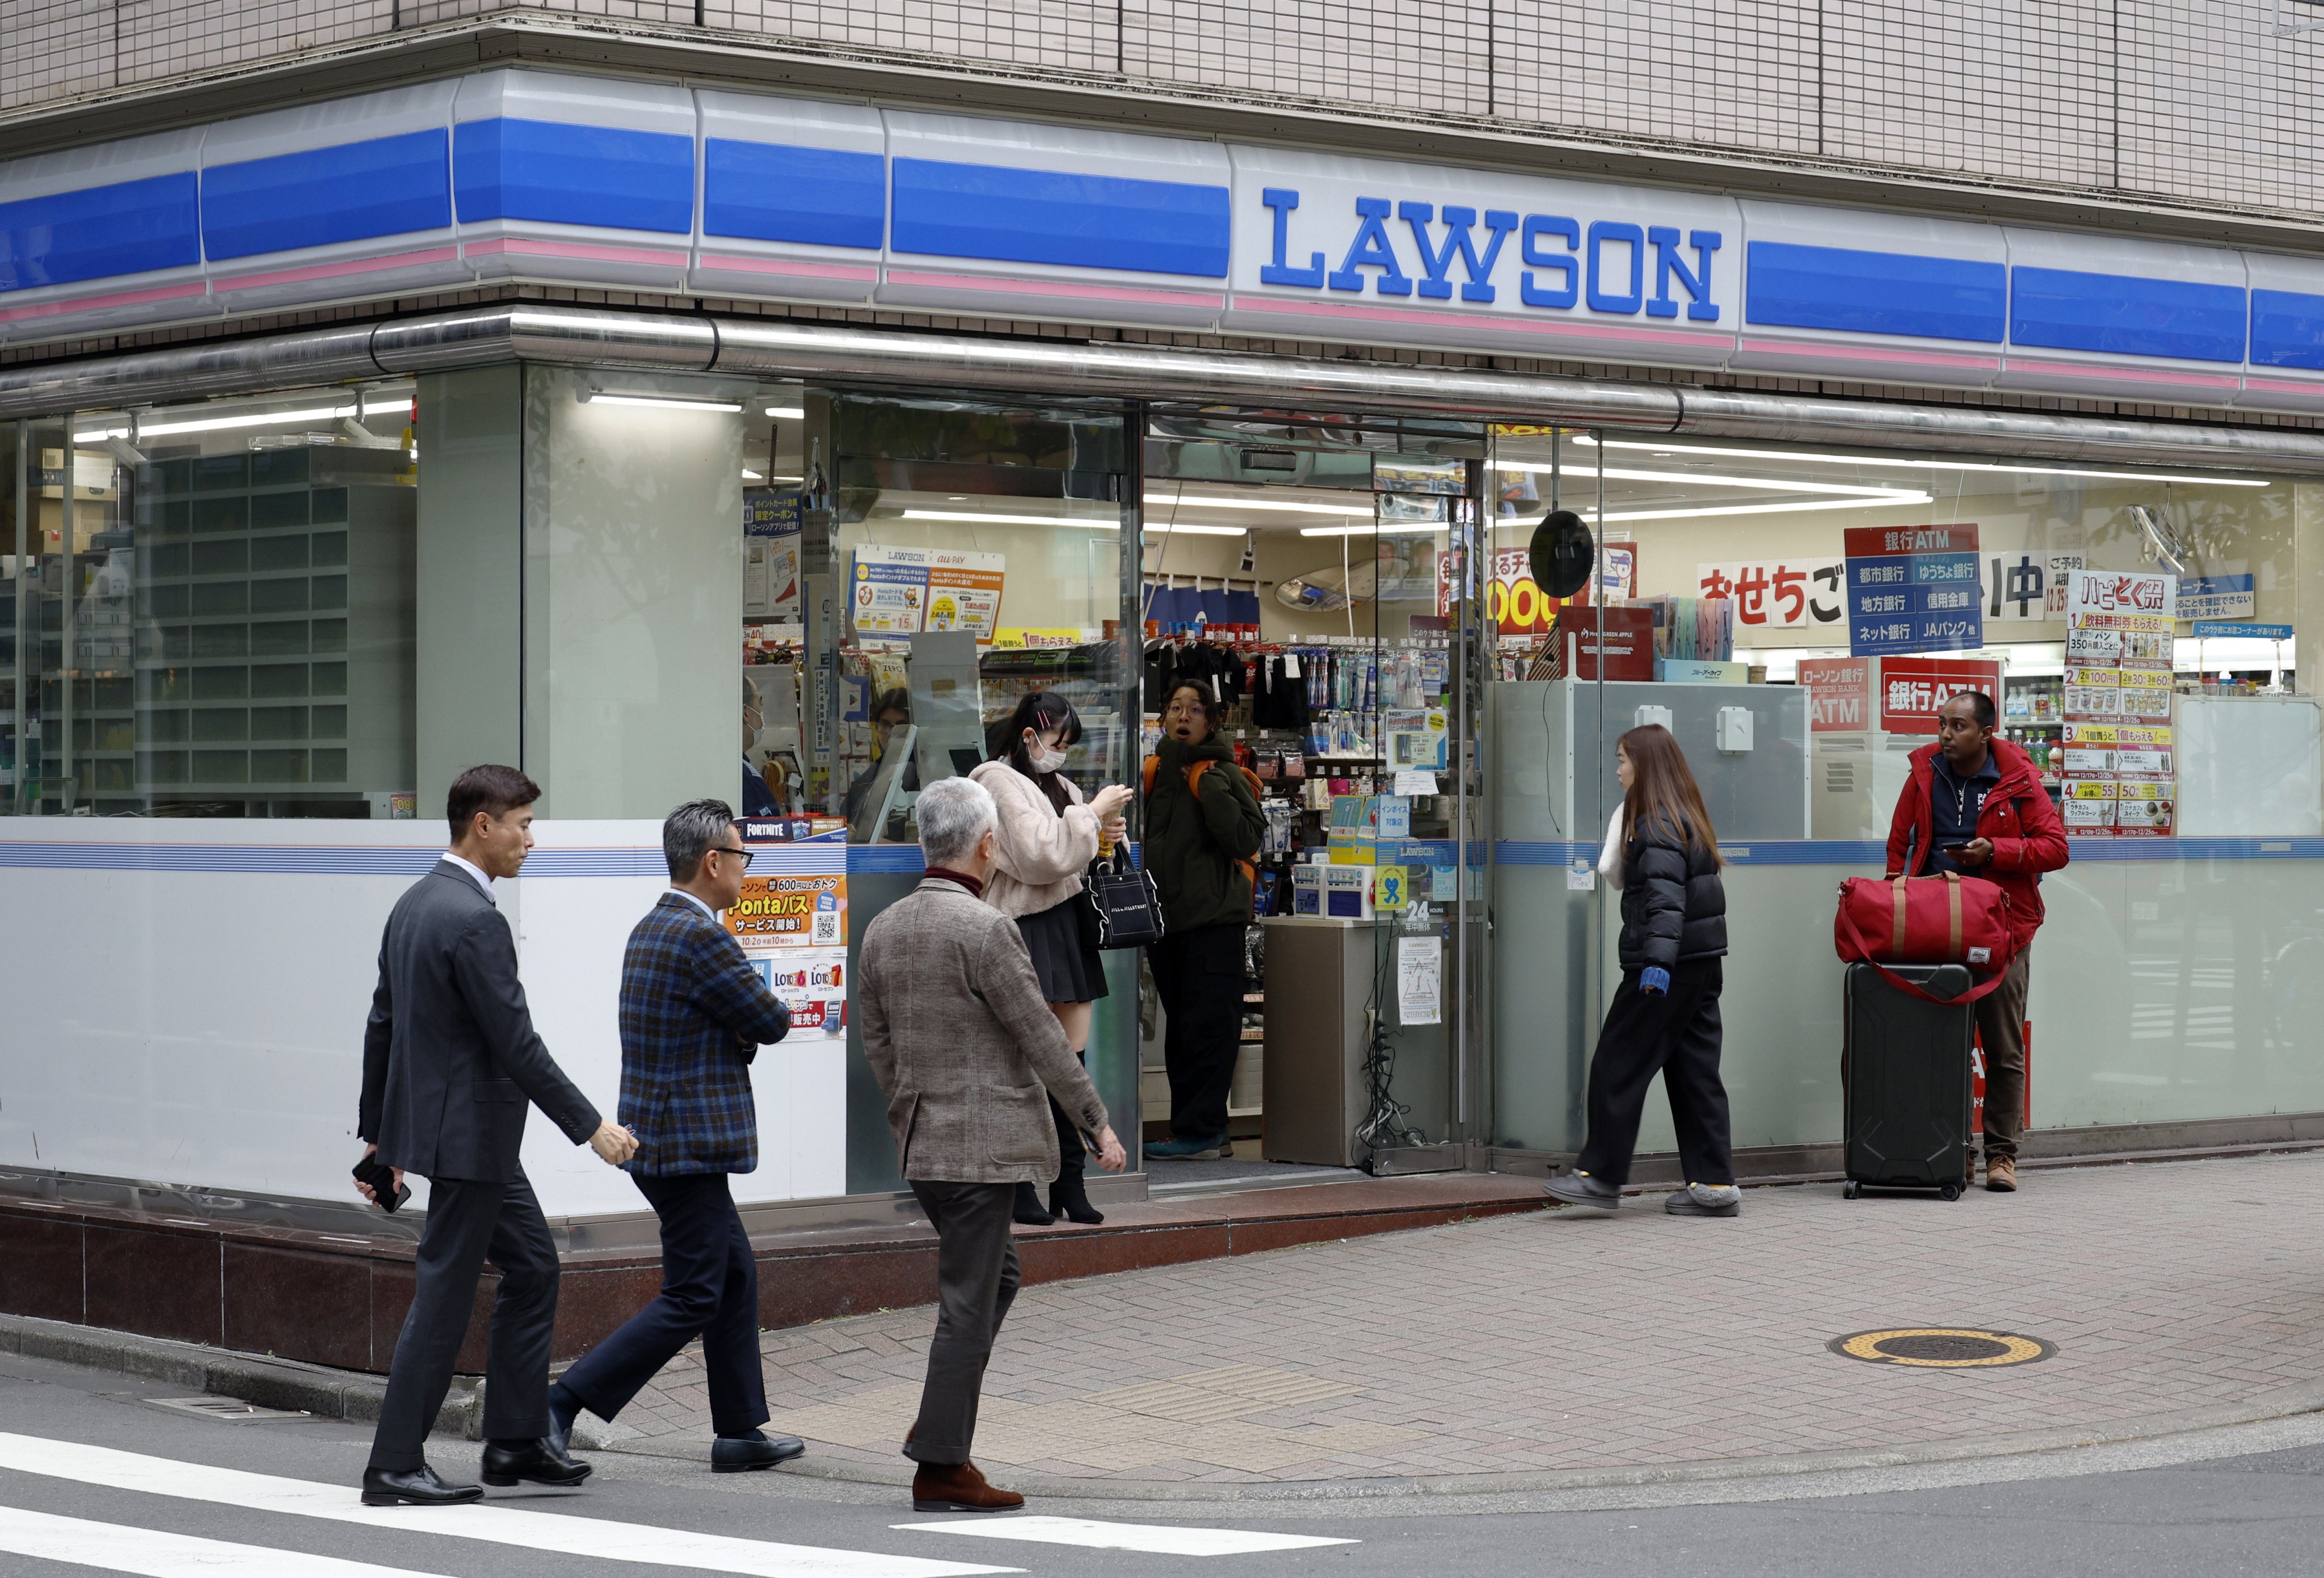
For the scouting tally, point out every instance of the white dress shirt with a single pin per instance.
(476, 871)
(697, 903)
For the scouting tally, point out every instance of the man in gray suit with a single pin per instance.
(957, 1035)
(450, 1063)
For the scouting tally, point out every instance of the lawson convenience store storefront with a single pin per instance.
(266, 593)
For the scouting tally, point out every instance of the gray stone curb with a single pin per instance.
(276, 1383)
(251, 1378)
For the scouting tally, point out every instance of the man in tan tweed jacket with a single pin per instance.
(968, 1055)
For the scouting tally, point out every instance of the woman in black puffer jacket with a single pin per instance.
(1664, 1016)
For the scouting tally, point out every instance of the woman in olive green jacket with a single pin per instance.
(1203, 828)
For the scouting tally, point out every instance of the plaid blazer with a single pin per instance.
(694, 1014)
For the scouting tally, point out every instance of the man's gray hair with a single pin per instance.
(954, 813)
(694, 827)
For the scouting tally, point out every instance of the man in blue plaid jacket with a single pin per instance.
(694, 1014)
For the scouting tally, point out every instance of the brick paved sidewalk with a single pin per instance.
(1559, 1342)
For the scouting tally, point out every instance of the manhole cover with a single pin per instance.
(1942, 1348)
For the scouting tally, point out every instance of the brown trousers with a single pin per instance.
(2001, 1030)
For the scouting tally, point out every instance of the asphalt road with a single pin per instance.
(95, 1477)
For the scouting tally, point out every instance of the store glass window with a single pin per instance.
(212, 609)
(1736, 559)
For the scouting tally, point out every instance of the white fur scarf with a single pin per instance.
(1609, 855)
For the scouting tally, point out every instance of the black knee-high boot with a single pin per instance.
(1067, 1197)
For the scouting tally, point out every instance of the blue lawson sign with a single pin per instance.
(1912, 589)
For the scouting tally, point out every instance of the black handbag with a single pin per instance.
(1123, 901)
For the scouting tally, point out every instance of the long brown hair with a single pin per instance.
(1662, 792)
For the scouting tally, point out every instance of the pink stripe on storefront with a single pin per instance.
(2133, 374)
(1481, 321)
(772, 265)
(1871, 353)
(332, 271)
(573, 249)
(97, 303)
(1068, 289)
(2282, 386)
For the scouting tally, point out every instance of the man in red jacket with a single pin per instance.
(1974, 805)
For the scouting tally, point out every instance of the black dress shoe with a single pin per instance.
(417, 1487)
(541, 1461)
(734, 1455)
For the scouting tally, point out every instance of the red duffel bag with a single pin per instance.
(1948, 920)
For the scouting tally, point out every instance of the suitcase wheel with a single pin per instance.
(1849, 1190)
(1950, 1191)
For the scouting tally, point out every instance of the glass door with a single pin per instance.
(1314, 578)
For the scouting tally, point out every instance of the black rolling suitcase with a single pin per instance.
(1905, 1068)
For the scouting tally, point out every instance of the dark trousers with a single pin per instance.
(709, 1289)
(1676, 1034)
(2001, 1031)
(1198, 975)
(469, 1224)
(976, 1282)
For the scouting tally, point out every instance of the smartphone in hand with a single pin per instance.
(382, 1178)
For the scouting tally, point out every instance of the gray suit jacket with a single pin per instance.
(957, 1035)
(450, 1058)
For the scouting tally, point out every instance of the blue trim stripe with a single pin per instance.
(562, 174)
(384, 186)
(2125, 316)
(771, 191)
(891, 858)
(1874, 853)
(130, 227)
(1875, 292)
(1049, 217)
(2287, 329)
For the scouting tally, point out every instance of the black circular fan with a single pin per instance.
(1563, 549)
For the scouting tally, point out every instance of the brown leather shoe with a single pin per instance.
(2001, 1175)
(958, 1487)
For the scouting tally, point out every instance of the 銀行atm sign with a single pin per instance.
(1912, 589)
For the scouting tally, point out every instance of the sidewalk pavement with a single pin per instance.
(1537, 1348)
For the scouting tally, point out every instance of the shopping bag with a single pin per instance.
(1123, 898)
(1946, 919)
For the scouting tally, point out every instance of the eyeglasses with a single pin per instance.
(744, 854)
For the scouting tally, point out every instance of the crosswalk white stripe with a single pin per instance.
(154, 1553)
(508, 1526)
(1159, 1538)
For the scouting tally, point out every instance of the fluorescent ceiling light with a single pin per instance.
(1373, 528)
(791, 413)
(750, 475)
(667, 401)
(1771, 483)
(1669, 448)
(1001, 520)
(269, 419)
(1759, 509)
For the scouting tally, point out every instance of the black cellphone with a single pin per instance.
(382, 1178)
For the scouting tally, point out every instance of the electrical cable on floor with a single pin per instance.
(1383, 1127)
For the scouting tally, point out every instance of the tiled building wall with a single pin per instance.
(2214, 102)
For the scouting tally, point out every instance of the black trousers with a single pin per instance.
(1198, 975)
(976, 1282)
(467, 1224)
(1676, 1034)
(709, 1289)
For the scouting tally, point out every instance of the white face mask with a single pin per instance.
(1044, 760)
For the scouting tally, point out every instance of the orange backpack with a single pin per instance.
(1249, 868)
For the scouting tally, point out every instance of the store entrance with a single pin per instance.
(1301, 583)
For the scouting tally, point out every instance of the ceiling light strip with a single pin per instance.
(1821, 459)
